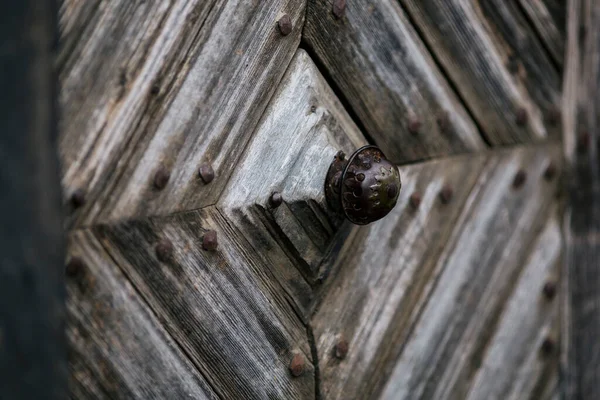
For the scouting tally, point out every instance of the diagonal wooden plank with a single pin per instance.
(117, 348)
(186, 85)
(384, 72)
(496, 62)
(290, 154)
(423, 303)
(222, 306)
(549, 19)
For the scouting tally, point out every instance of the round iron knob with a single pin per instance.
(364, 187)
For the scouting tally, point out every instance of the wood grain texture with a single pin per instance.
(549, 19)
(290, 154)
(420, 308)
(224, 308)
(384, 72)
(167, 84)
(493, 57)
(117, 347)
(581, 360)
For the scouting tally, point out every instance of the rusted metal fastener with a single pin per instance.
(446, 194)
(74, 267)
(285, 25)
(521, 116)
(365, 187)
(519, 179)
(415, 200)
(209, 241)
(297, 365)
(553, 116)
(414, 126)
(550, 171)
(78, 198)
(275, 200)
(339, 8)
(164, 250)
(548, 345)
(161, 178)
(549, 290)
(206, 173)
(341, 349)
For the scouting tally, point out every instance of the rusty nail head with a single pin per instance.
(285, 25)
(339, 8)
(74, 266)
(583, 141)
(78, 198)
(414, 125)
(161, 178)
(521, 116)
(275, 200)
(519, 179)
(206, 172)
(443, 120)
(553, 116)
(548, 345)
(164, 250)
(446, 194)
(415, 200)
(549, 289)
(550, 171)
(209, 241)
(297, 365)
(341, 349)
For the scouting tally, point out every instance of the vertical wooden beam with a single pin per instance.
(32, 344)
(581, 356)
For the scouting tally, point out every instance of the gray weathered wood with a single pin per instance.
(549, 19)
(117, 347)
(422, 292)
(384, 72)
(172, 84)
(581, 359)
(224, 308)
(496, 62)
(294, 145)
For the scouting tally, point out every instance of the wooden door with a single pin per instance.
(204, 261)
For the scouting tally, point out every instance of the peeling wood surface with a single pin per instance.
(117, 347)
(497, 64)
(290, 154)
(425, 305)
(184, 82)
(385, 73)
(581, 361)
(224, 308)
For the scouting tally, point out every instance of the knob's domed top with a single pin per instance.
(365, 187)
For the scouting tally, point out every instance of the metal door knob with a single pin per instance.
(364, 187)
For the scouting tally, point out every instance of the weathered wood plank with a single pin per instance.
(117, 348)
(549, 19)
(496, 63)
(428, 299)
(386, 75)
(382, 273)
(512, 363)
(290, 153)
(184, 83)
(581, 359)
(223, 307)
